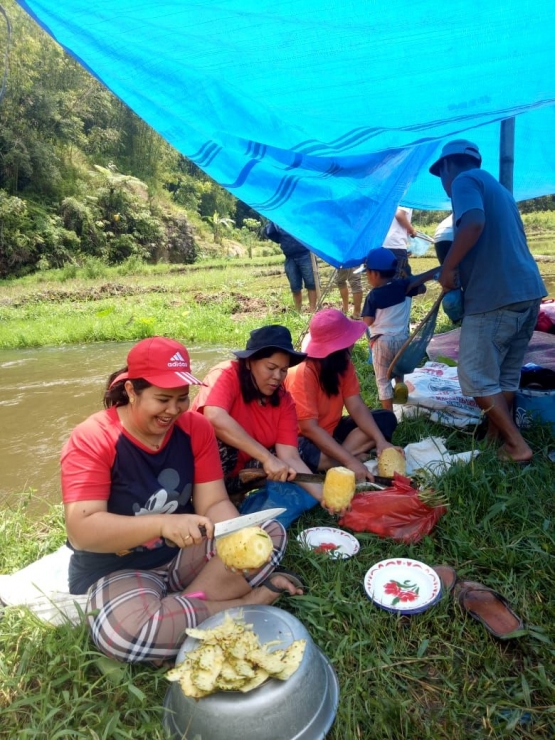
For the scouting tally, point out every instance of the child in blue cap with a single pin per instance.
(386, 312)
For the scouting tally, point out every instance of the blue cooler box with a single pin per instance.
(533, 405)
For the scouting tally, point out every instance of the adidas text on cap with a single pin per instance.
(162, 362)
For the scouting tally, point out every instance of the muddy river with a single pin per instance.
(44, 393)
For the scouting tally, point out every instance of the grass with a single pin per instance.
(432, 676)
(214, 302)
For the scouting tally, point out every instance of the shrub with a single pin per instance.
(93, 268)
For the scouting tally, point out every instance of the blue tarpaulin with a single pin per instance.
(324, 115)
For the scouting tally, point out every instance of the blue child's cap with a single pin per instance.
(379, 259)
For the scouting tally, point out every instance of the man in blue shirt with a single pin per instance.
(502, 289)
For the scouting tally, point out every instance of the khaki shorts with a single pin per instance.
(346, 275)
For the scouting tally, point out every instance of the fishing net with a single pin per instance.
(413, 351)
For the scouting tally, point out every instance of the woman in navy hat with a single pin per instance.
(254, 417)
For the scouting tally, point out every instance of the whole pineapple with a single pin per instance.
(391, 461)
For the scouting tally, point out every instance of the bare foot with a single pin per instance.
(263, 595)
(522, 453)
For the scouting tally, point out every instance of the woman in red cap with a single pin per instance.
(253, 416)
(138, 480)
(324, 384)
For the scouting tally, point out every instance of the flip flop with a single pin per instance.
(447, 576)
(504, 458)
(295, 580)
(490, 608)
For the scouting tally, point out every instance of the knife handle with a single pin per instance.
(249, 474)
(171, 543)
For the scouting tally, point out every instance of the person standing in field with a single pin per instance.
(396, 240)
(502, 289)
(298, 265)
(350, 277)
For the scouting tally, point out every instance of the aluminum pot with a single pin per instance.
(301, 708)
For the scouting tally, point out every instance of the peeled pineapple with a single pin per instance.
(339, 488)
(250, 547)
(391, 461)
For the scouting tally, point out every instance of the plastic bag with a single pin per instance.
(396, 512)
(275, 494)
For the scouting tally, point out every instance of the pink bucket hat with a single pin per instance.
(330, 331)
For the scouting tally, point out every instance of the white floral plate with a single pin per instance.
(335, 542)
(402, 585)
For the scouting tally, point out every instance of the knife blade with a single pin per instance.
(249, 475)
(221, 529)
(248, 520)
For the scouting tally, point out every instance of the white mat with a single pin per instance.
(43, 588)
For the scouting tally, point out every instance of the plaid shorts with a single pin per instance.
(141, 616)
(384, 349)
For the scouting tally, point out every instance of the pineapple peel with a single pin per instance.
(250, 547)
(339, 488)
(214, 665)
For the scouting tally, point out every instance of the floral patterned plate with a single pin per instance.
(334, 542)
(402, 585)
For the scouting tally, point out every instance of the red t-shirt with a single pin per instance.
(99, 449)
(102, 462)
(312, 403)
(268, 425)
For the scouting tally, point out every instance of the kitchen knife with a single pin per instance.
(248, 520)
(249, 475)
(221, 529)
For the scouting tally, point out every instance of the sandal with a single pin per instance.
(295, 580)
(490, 608)
(447, 576)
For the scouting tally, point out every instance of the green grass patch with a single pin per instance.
(212, 302)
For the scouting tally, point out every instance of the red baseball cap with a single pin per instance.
(160, 361)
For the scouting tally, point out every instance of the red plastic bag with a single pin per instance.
(396, 512)
(546, 316)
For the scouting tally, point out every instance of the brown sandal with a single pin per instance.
(293, 577)
(490, 608)
(447, 576)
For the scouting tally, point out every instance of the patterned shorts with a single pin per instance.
(384, 349)
(141, 616)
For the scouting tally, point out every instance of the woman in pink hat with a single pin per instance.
(324, 384)
(142, 488)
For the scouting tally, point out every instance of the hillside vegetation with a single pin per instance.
(82, 177)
